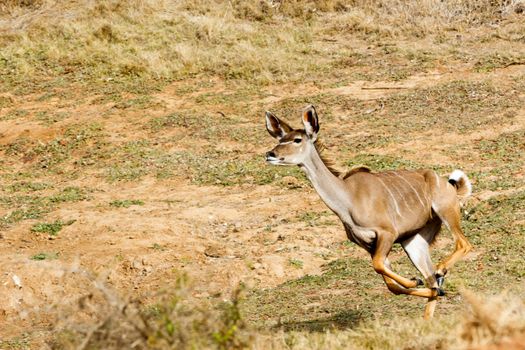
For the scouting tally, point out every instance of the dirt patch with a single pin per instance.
(260, 235)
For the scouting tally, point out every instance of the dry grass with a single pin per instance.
(123, 40)
(102, 319)
(115, 40)
(498, 320)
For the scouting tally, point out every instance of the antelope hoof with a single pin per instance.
(439, 292)
(419, 281)
(440, 280)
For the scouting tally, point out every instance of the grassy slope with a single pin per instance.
(226, 61)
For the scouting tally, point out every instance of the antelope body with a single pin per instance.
(378, 209)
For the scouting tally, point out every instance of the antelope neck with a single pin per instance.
(330, 188)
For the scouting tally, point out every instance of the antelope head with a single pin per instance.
(295, 146)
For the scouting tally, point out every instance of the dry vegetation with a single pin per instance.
(89, 41)
(131, 137)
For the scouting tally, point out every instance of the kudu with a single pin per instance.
(379, 209)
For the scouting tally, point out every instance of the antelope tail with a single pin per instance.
(460, 181)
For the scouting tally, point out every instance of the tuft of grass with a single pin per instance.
(312, 218)
(26, 186)
(140, 102)
(499, 161)
(51, 228)
(232, 168)
(69, 194)
(508, 147)
(44, 256)
(48, 118)
(173, 320)
(133, 160)
(51, 155)
(21, 342)
(206, 126)
(459, 106)
(6, 101)
(489, 63)
(125, 203)
(15, 114)
(24, 207)
(297, 263)
(158, 247)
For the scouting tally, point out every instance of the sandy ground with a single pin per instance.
(219, 236)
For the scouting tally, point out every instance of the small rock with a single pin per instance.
(214, 251)
(17, 281)
(291, 182)
(237, 227)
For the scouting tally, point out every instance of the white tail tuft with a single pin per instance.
(460, 180)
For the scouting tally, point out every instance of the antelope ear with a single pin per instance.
(311, 122)
(276, 127)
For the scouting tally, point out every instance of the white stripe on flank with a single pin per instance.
(413, 189)
(391, 195)
(400, 194)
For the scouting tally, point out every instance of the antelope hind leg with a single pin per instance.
(430, 308)
(451, 218)
(417, 249)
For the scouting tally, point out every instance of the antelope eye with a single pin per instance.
(297, 140)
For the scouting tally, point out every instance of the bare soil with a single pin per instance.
(220, 236)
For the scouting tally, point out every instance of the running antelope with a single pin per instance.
(379, 209)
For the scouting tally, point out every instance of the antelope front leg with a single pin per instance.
(430, 294)
(384, 242)
(395, 288)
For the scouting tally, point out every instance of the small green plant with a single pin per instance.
(45, 256)
(69, 194)
(158, 247)
(20, 342)
(15, 114)
(51, 228)
(34, 207)
(228, 336)
(268, 228)
(125, 203)
(26, 186)
(296, 263)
